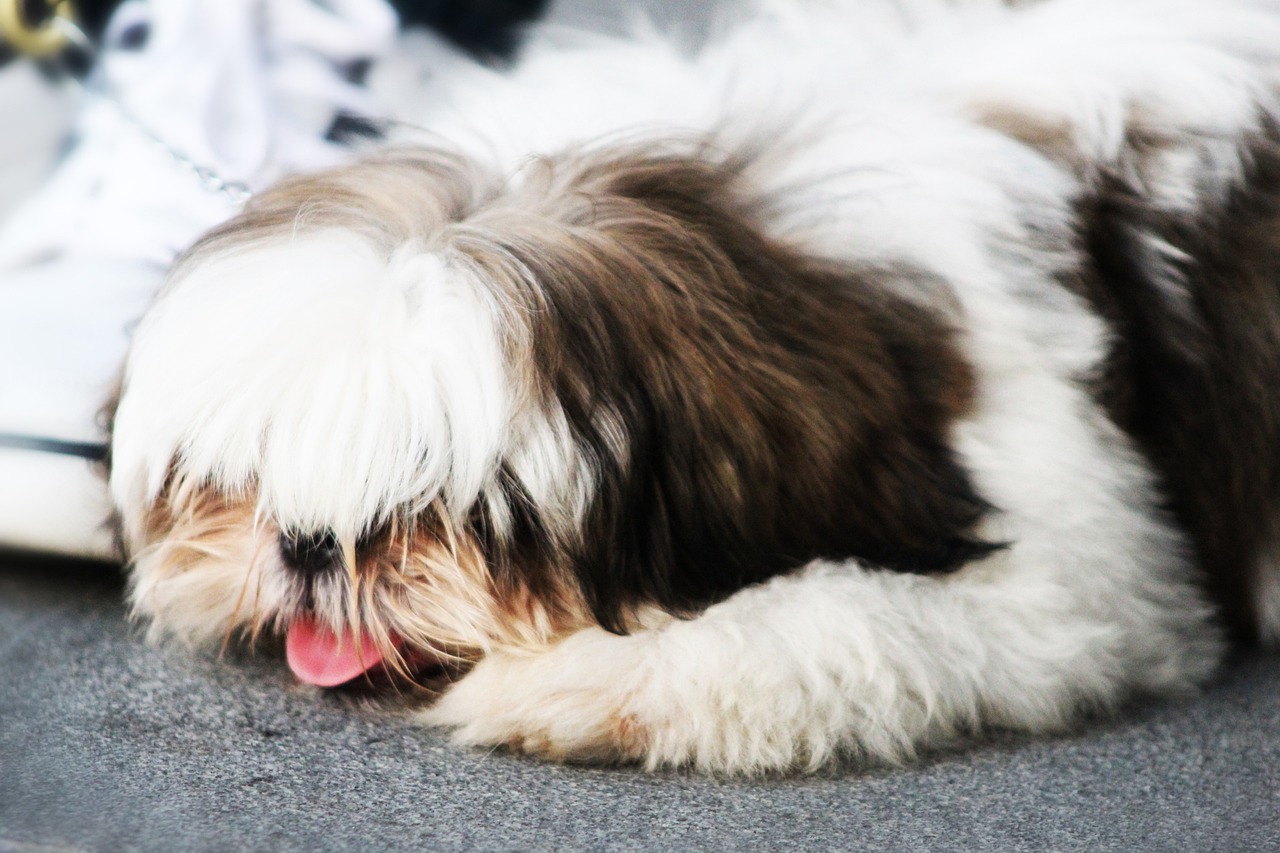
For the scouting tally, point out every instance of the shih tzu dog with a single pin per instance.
(879, 373)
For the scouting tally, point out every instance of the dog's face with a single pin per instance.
(410, 411)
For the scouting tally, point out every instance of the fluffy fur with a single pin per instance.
(876, 374)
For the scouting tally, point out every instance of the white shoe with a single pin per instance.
(224, 97)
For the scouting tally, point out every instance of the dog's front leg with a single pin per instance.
(835, 660)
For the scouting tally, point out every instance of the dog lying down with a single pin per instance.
(879, 374)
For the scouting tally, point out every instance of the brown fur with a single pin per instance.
(1194, 373)
(777, 409)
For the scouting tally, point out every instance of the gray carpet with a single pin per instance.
(108, 744)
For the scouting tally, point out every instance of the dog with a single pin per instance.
(876, 375)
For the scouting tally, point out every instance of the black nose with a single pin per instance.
(310, 554)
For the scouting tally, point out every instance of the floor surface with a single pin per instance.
(109, 744)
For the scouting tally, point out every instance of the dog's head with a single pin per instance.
(411, 410)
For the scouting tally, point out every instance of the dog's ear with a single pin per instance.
(744, 408)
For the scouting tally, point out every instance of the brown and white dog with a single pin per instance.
(881, 372)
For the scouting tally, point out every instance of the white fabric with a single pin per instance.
(64, 328)
(28, 148)
(53, 503)
(243, 89)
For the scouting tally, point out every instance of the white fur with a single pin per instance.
(342, 384)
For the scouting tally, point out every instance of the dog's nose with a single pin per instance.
(311, 554)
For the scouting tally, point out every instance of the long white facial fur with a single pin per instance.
(336, 382)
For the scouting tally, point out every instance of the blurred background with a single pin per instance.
(37, 115)
(130, 127)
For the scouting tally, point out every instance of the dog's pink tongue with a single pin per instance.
(319, 656)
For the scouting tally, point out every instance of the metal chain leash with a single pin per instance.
(209, 178)
(48, 32)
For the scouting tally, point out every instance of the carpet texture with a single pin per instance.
(108, 744)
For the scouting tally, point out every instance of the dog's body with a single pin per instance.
(883, 372)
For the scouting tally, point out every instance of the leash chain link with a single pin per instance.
(55, 39)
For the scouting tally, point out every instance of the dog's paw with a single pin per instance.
(704, 693)
(578, 700)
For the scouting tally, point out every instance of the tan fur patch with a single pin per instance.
(209, 568)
